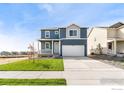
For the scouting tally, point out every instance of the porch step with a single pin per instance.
(56, 56)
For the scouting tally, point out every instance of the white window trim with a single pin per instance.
(46, 35)
(78, 33)
(46, 47)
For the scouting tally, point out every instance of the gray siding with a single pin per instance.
(74, 42)
(62, 32)
(52, 34)
(42, 34)
(83, 32)
(85, 49)
(43, 44)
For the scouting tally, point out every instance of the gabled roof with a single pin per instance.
(73, 25)
(116, 25)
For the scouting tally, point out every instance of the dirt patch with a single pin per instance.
(10, 60)
(112, 60)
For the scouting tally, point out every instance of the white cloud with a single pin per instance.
(84, 14)
(56, 9)
(47, 7)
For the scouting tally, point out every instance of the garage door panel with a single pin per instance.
(72, 50)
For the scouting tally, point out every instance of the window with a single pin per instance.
(47, 45)
(110, 46)
(73, 32)
(56, 32)
(47, 34)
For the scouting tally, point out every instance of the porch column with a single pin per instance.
(40, 47)
(52, 46)
(115, 47)
(59, 46)
(38, 50)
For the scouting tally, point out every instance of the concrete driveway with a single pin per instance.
(87, 71)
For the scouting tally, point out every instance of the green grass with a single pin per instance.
(32, 82)
(38, 65)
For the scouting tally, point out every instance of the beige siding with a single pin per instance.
(120, 46)
(121, 33)
(112, 33)
(97, 36)
(75, 28)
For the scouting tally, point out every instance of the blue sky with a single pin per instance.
(20, 24)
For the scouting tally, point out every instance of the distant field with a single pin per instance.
(14, 56)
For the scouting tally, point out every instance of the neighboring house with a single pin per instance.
(107, 40)
(67, 41)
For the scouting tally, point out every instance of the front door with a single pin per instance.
(56, 47)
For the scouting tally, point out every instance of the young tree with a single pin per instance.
(99, 47)
(31, 52)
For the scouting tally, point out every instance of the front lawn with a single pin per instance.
(32, 82)
(38, 65)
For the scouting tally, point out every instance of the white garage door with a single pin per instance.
(72, 50)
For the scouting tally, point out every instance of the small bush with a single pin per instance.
(92, 53)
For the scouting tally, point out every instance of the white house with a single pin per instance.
(107, 40)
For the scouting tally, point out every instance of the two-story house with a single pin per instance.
(64, 41)
(107, 40)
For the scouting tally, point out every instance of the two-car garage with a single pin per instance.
(73, 50)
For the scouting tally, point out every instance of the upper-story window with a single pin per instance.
(73, 32)
(47, 34)
(56, 32)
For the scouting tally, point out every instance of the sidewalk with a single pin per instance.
(31, 74)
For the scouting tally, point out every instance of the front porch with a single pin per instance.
(116, 47)
(50, 47)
